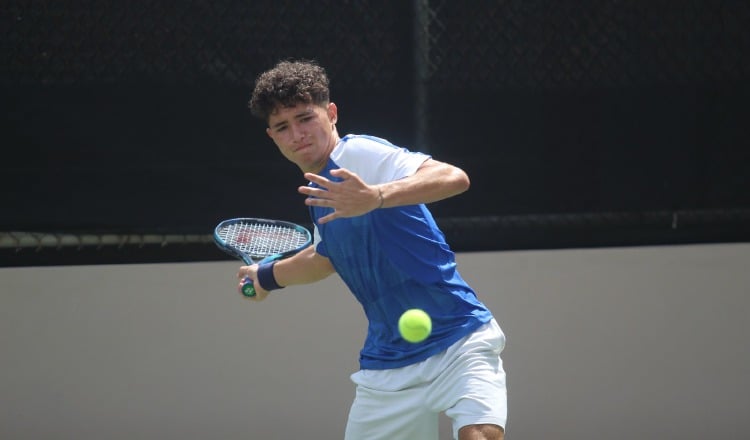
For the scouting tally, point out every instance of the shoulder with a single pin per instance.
(376, 160)
(361, 144)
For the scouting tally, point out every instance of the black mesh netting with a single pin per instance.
(552, 45)
(80, 42)
(483, 44)
(586, 122)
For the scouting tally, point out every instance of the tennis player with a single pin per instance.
(367, 200)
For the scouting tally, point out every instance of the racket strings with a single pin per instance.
(262, 240)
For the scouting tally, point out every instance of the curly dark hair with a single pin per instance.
(287, 84)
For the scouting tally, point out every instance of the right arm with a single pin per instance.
(305, 267)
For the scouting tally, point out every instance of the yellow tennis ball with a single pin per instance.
(415, 325)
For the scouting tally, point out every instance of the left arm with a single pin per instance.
(433, 181)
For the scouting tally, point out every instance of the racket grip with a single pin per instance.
(247, 287)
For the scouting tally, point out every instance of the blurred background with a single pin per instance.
(581, 124)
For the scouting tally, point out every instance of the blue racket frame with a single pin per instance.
(258, 258)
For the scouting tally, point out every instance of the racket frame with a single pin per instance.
(247, 288)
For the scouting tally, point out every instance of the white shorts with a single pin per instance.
(467, 382)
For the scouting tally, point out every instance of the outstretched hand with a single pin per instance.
(351, 197)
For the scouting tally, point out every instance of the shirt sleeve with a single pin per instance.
(376, 160)
(320, 246)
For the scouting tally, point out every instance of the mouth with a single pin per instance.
(302, 147)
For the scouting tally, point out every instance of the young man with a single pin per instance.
(367, 201)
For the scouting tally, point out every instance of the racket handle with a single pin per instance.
(247, 287)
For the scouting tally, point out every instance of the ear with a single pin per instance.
(268, 132)
(333, 112)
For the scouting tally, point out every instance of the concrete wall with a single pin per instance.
(614, 343)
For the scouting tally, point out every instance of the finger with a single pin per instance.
(245, 271)
(317, 201)
(320, 180)
(313, 192)
(342, 173)
(327, 218)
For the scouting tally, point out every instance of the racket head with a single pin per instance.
(258, 240)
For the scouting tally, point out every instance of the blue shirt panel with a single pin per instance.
(392, 260)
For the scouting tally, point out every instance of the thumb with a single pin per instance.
(342, 173)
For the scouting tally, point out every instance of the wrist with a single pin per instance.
(380, 194)
(266, 278)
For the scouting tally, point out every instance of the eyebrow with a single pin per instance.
(306, 112)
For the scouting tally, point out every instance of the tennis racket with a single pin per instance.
(258, 241)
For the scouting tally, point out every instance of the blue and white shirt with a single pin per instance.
(395, 259)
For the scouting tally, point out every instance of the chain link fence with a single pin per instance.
(499, 45)
(439, 72)
(75, 42)
(485, 44)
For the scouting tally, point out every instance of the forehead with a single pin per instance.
(281, 113)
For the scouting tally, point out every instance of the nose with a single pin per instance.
(297, 133)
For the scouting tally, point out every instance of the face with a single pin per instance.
(305, 134)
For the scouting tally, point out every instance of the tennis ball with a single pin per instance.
(415, 325)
